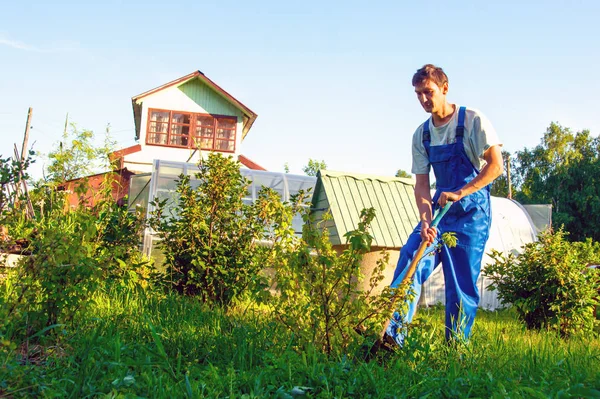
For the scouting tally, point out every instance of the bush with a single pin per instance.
(62, 272)
(209, 237)
(319, 296)
(73, 252)
(550, 284)
(118, 242)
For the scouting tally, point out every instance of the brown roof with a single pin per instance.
(249, 164)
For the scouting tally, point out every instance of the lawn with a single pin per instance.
(133, 343)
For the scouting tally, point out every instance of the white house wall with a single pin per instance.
(175, 99)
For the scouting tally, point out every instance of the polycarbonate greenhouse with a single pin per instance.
(162, 183)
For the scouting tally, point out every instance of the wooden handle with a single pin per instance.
(409, 274)
(412, 268)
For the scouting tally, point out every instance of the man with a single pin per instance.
(462, 147)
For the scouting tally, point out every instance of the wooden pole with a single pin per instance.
(29, 206)
(21, 158)
(26, 137)
(66, 124)
(61, 147)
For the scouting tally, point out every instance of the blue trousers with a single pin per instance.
(461, 266)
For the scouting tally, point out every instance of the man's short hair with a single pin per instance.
(430, 72)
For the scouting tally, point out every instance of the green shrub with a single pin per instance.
(118, 242)
(318, 289)
(74, 252)
(209, 237)
(549, 283)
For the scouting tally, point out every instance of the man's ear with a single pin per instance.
(445, 88)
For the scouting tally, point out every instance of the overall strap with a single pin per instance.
(426, 136)
(460, 127)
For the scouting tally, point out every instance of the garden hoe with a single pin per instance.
(384, 341)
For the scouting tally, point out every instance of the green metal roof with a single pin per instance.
(346, 194)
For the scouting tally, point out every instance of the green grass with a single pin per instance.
(132, 344)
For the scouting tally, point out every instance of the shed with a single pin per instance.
(91, 185)
(345, 195)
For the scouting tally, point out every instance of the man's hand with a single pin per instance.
(448, 196)
(428, 234)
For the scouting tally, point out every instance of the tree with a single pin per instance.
(563, 170)
(403, 173)
(77, 155)
(313, 167)
(500, 185)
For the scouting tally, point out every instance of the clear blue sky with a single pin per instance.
(329, 80)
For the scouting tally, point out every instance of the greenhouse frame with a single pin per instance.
(162, 183)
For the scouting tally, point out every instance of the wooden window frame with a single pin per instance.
(192, 136)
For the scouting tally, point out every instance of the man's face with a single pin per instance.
(431, 96)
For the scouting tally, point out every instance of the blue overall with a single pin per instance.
(470, 219)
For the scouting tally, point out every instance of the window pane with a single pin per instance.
(206, 144)
(157, 138)
(271, 181)
(204, 120)
(180, 129)
(204, 132)
(225, 134)
(159, 116)
(223, 145)
(299, 183)
(226, 123)
(178, 140)
(157, 127)
(168, 171)
(181, 118)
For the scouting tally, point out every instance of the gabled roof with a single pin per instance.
(345, 195)
(124, 151)
(247, 162)
(249, 115)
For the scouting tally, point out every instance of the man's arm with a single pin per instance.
(423, 198)
(493, 168)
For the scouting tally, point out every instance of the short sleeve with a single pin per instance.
(483, 136)
(420, 160)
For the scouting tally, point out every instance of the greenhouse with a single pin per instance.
(162, 183)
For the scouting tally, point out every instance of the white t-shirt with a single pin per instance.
(479, 135)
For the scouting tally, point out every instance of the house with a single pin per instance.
(180, 121)
(184, 119)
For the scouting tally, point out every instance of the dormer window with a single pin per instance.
(190, 130)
